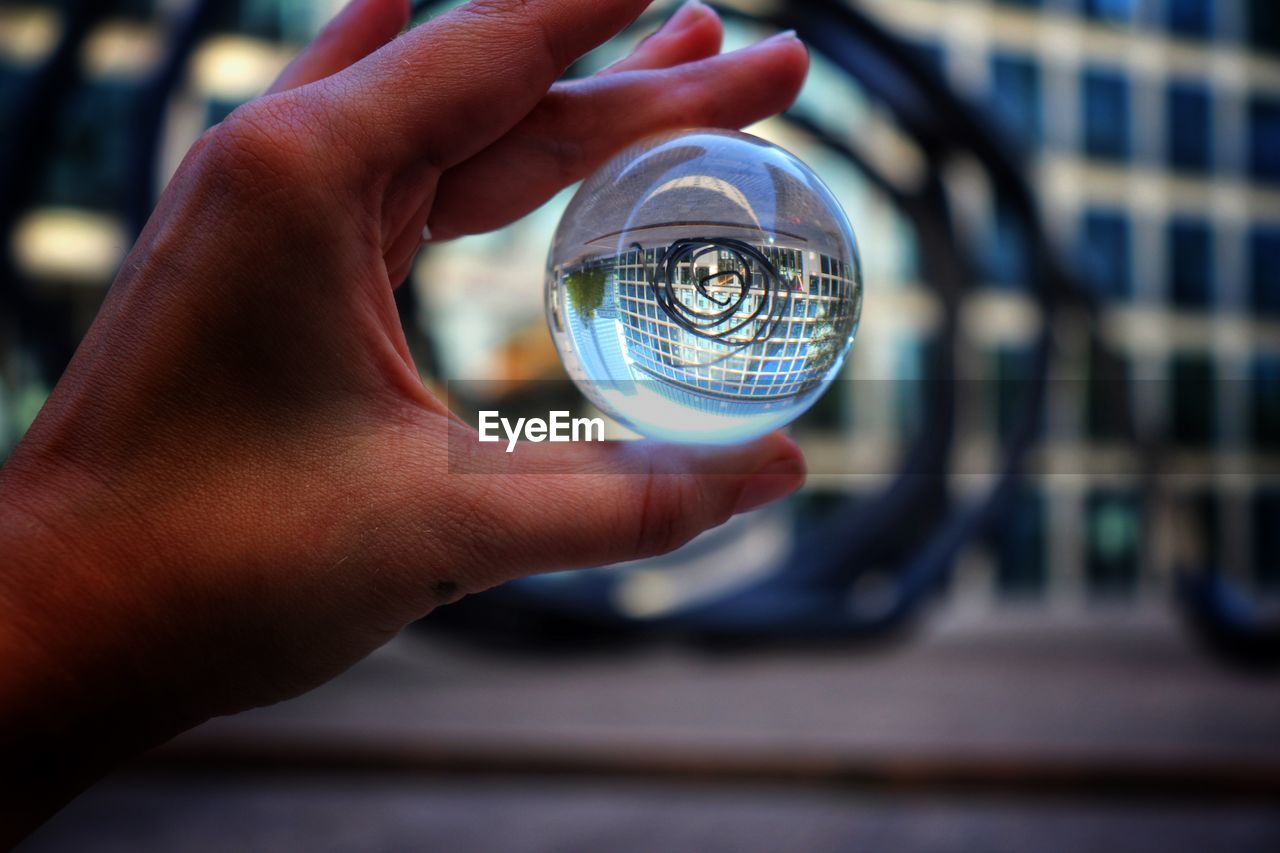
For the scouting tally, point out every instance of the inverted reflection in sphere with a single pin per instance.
(704, 286)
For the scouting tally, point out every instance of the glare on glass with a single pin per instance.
(704, 286)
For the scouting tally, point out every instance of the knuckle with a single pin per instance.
(520, 19)
(501, 9)
(668, 514)
(263, 144)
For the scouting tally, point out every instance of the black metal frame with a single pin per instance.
(813, 595)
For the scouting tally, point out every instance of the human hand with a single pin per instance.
(240, 486)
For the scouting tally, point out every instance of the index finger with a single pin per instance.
(450, 87)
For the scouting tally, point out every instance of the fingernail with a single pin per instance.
(684, 15)
(775, 480)
(783, 36)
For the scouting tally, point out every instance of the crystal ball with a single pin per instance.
(703, 286)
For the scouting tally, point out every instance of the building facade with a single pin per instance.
(1151, 130)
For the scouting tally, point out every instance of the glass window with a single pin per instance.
(1013, 375)
(1015, 96)
(89, 166)
(1189, 130)
(140, 10)
(1113, 537)
(12, 83)
(1107, 397)
(1006, 259)
(1110, 10)
(1019, 546)
(1105, 100)
(261, 18)
(1264, 268)
(1264, 402)
(1264, 138)
(1266, 539)
(1264, 25)
(1105, 242)
(1190, 255)
(1189, 17)
(1193, 405)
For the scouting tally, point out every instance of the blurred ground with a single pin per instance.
(1006, 732)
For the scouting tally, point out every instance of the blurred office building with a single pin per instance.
(1150, 129)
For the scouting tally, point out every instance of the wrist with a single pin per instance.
(71, 704)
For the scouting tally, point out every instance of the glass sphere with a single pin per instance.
(703, 286)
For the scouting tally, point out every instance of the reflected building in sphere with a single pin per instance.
(650, 345)
(723, 272)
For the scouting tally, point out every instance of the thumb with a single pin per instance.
(585, 504)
